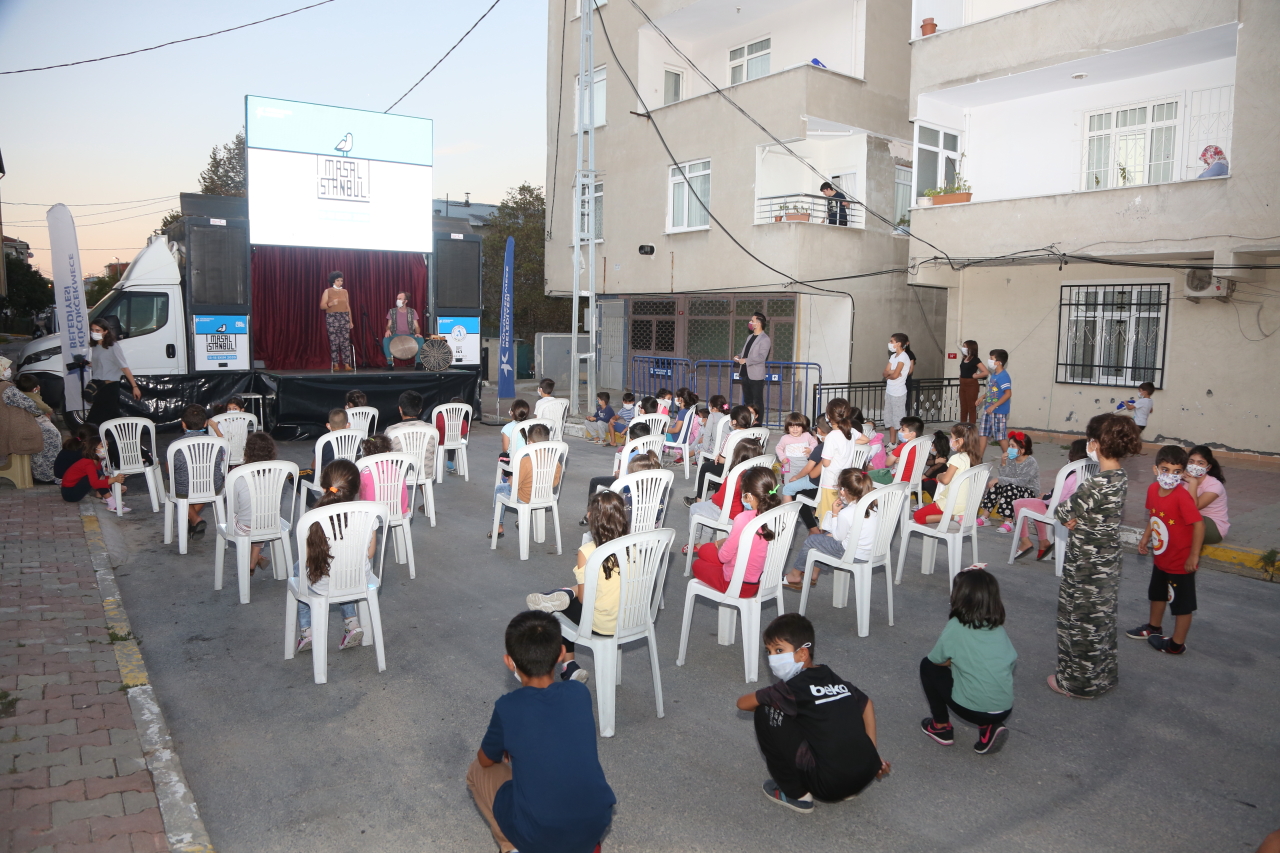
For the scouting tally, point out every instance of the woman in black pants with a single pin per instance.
(739, 418)
(751, 363)
(109, 366)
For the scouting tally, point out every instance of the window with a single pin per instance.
(689, 190)
(749, 61)
(599, 92)
(1131, 145)
(937, 158)
(583, 225)
(902, 195)
(1112, 334)
(672, 86)
(140, 313)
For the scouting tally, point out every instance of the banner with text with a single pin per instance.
(506, 336)
(69, 298)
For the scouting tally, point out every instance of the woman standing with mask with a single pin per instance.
(755, 352)
(336, 304)
(108, 363)
(971, 371)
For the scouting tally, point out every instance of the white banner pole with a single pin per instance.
(68, 290)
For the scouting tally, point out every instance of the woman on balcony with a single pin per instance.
(1213, 157)
(755, 352)
(972, 370)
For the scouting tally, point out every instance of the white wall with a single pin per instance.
(1033, 146)
(800, 32)
(823, 335)
(778, 173)
(980, 10)
(947, 14)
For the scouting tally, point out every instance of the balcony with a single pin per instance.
(808, 208)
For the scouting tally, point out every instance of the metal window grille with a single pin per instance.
(1112, 334)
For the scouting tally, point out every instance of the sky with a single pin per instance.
(141, 127)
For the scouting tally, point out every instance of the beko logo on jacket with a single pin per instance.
(832, 692)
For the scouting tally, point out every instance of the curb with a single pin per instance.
(182, 824)
(1221, 558)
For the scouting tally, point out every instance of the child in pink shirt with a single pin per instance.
(369, 489)
(795, 445)
(1041, 506)
(716, 561)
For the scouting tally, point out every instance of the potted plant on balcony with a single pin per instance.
(956, 193)
(795, 213)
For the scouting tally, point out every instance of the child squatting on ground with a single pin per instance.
(970, 670)
(816, 730)
(537, 778)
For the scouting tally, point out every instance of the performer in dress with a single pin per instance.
(337, 307)
(401, 320)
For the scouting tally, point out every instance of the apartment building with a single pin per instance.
(830, 79)
(1079, 127)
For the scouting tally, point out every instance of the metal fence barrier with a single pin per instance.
(650, 373)
(788, 384)
(931, 400)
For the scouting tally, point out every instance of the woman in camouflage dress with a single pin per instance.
(1087, 664)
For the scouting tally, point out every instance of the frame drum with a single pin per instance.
(404, 347)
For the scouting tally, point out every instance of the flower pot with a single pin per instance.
(953, 198)
(797, 217)
(928, 27)
(924, 201)
(778, 218)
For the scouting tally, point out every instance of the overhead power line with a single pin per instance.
(87, 204)
(443, 58)
(164, 202)
(168, 43)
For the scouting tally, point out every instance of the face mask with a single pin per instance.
(1013, 452)
(102, 454)
(7, 374)
(902, 435)
(891, 349)
(338, 285)
(516, 673)
(399, 303)
(1197, 470)
(955, 444)
(785, 666)
(1091, 453)
(1168, 480)
(97, 336)
(991, 364)
(964, 351)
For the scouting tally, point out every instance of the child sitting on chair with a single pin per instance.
(258, 447)
(816, 730)
(368, 488)
(855, 484)
(715, 562)
(195, 421)
(340, 482)
(537, 433)
(742, 451)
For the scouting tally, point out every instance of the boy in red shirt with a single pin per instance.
(1174, 535)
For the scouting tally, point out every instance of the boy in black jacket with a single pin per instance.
(816, 730)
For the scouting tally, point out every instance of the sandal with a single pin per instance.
(1052, 681)
(501, 533)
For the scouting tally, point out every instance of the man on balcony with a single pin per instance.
(837, 204)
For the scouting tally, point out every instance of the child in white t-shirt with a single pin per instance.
(1142, 407)
(855, 484)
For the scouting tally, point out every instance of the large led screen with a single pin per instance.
(331, 177)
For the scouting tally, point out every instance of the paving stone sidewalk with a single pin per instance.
(73, 776)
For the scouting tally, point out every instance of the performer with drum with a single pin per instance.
(403, 337)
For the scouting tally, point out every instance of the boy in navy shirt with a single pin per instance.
(598, 422)
(537, 779)
(816, 730)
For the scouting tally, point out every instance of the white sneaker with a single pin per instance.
(550, 602)
(304, 642)
(352, 637)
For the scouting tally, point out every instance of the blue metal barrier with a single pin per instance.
(649, 373)
(787, 386)
(931, 400)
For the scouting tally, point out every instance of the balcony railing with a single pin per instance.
(806, 207)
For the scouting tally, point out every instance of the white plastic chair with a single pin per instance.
(1083, 469)
(783, 521)
(345, 444)
(200, 452)
(557, 412)
(760, 434)
(722, 522)
(235, 428)
(419, 440)
(454, 414)
(642, 445)
(888, 500)
(545, 457)
(266, 482)
(650, 495)
(642, 560)
(125, 434)
(364, 419)
(657, 423)
(349, 527)
(680, 444)
(528, 423)
(393, 475)
(717, 440)
(970, 485)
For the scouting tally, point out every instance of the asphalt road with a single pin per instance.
(1182, 756)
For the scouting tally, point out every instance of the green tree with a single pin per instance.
(225, 174)
(522, 215)
(94, 292)
(29, 291)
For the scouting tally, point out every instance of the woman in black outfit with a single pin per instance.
(971, 370)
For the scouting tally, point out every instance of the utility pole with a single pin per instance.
(4, 281)
(584, 233)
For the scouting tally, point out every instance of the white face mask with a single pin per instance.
(102, 453)
(8, 372)
(97, 336)
(338, 284)
(784, 665)
(1168, 480)
(1091, 453)
(964, 351)
(991, 364)
(955, 445)
(891, 349)
(399, 303)
(1197, 470)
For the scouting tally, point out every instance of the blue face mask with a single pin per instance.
(902, 435)
(1013, 452)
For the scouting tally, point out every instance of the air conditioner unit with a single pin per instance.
(1201, 285)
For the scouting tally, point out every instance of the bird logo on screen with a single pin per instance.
(344, 145)
(459, 333)
(221, 328)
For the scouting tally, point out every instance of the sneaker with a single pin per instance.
(990, 739)
(352, 637)
(944, 735)
(1143, 632)
(803, 805)
(1166, 645)
(573, 672)
(450, 467)
(690, 500)
(304, 642)
(547, 602)
(980, 521)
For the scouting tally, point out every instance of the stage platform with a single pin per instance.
(298, 401)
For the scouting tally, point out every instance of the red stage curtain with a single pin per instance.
(288, 325)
